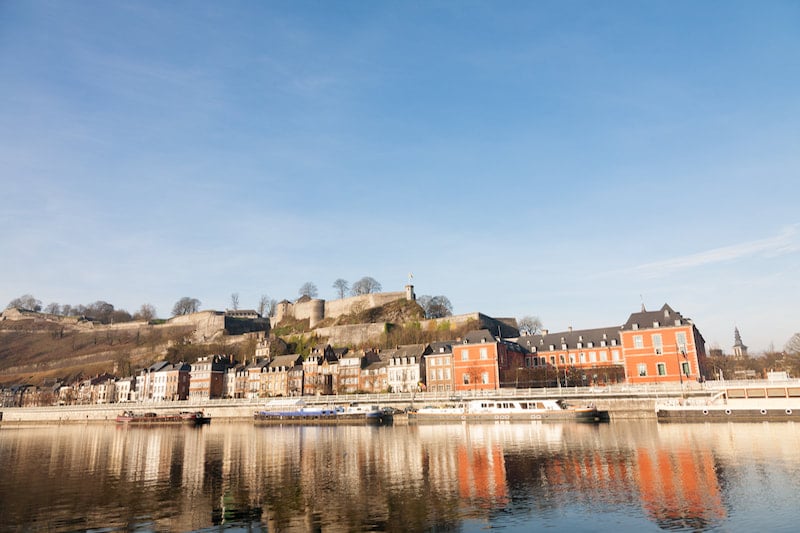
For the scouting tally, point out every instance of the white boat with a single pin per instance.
(771, 402)
(507, 410)
(296, 412)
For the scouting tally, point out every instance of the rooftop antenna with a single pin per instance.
(642, 299)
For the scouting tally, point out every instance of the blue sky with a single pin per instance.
(568, 160)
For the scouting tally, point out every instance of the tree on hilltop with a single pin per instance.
(435, 306)
(341, 287)
(235, 301)
(146, 312)
(186, 306)
(365, 285)
(266, 305)
(26, 301)
(529, 325)
(308, 289)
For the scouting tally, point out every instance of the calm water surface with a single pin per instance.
(621, 476)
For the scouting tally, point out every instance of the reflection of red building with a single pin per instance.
(482, 474)
(679, 487)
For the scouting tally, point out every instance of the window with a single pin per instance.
(642, 369)
(657, 344)
(592, 357)
(553, 360)
(465, 355)
(484, 353)
(562, 359)
(604, 355)
(466, 379)
(583, 357)
(572, 358)
(638, 342)
(685, 368)
(680, 340)
(661, 369)
(615, 355)
(485, 378)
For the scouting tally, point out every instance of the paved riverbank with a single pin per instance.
(621, 404)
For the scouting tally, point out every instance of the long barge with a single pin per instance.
(190, 418)
(773, 403)
(508, 410)
(278, 413)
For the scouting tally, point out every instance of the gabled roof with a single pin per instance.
(542, 342)
(444, 347)
(412, 350)
(664, 317)
(479, 336)
(158, 367)
(288, 361)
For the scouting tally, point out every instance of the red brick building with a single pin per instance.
(662, 346)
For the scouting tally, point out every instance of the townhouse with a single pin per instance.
(482, 361)
(439, 367)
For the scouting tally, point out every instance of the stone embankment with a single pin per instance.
(620, 405)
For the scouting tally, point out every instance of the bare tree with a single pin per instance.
(435, 306)
(235, 301)
(26, 301)
(53, 309)
(308, 289)
(146, 312)
(263, 302)
(186, 306)
(529, 325)
(341, 287)
(365, 285)
(793, 344)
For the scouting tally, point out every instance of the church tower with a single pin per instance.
(739, 349)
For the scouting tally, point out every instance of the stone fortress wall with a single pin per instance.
(317, 310)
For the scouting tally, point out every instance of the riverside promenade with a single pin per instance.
(621, 401)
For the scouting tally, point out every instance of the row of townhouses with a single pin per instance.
(651, 347)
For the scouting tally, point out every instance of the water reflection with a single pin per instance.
(438, 477)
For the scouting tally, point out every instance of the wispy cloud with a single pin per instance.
(785, 242)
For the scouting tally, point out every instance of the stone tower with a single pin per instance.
(739, 349)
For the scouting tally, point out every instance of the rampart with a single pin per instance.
(316, 310)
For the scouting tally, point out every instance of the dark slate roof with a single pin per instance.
(479, 336)
(412, 350)
(664, 317)
(441, 347)
(288, 361)
(541, 343)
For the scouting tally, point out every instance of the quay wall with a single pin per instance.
(619, 406)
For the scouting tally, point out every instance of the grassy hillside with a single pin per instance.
(32, 350)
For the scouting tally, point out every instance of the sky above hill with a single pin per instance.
(569, 160)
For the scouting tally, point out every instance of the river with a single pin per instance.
(620, 476)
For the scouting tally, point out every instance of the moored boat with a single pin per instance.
(192, 418)
(774, 403)
(296, 412)
(507, 410)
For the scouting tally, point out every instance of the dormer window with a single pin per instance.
(603, 342)
(677, 322)
(634, 326)
(580, 345)
(656, 324)
(552, 347)
(564, 346)
(590, 344)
